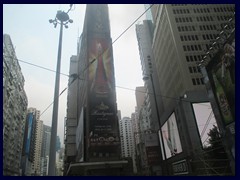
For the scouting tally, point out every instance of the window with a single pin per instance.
(192, 47)
(187, 58)
(193, 81)
(194, 69)
(199, 47)
(198, 81)
(184, 48)
(191, 58)
(195, 58)
(196, 47)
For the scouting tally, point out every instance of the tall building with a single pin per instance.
(127, 138)
(153, 100)
(45, 149)
(92, 129)
(71, 120)
(185, 32)
(14, 109)
(36, 164)
(29, 142)
(182, 34)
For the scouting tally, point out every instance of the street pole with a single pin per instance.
(155, 99)
(64, 19)
(158, 117)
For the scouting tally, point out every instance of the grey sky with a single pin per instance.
(36, 41)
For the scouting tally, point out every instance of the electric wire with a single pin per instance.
(36, 65)
(120, 87)
(92, 61)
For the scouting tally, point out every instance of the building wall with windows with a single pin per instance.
(127, 138)
(14, 109)
(185, 32)
(38, 134)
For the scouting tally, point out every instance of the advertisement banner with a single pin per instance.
(171, 138)
(221, 72)
(103, 124)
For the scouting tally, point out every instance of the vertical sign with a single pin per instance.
(103, 125)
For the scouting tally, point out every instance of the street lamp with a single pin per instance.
(61, 18)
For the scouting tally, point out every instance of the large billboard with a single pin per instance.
(171, 139)
(103, 125)
(221, 73)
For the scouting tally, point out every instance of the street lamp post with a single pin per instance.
(61, 18)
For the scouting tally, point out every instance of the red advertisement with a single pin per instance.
(103, 124)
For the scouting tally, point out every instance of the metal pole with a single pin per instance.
(52, 155)
(155, 100)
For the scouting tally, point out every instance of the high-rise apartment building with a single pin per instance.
(45, 149)
(127, 138)
(14, 109)
(153, 100)
(36, 164)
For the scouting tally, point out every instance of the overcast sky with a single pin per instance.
(36, 41)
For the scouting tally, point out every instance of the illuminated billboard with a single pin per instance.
(103, 124)
(221, 73)
(171, 139)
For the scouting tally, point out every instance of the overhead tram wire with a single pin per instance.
(92, 61)
(36, 65)
(75, 77)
